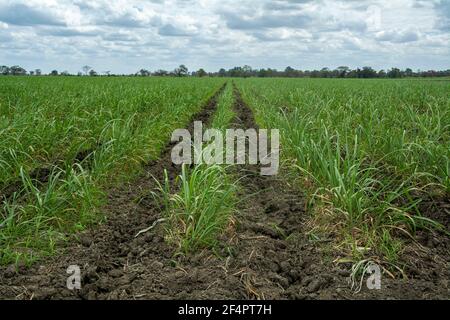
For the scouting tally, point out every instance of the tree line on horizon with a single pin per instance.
(244, 72)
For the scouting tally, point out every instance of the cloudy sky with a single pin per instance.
(125, 35)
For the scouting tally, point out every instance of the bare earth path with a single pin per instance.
(266, 255)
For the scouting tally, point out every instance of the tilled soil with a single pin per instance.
(265, 254)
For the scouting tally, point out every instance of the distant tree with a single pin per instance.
(324, 73)
(181, 71)
(340, 72)
(201, 73)
(263, 73)
(289, 72)
(247, 71)
(367, 72)
(4, 70)
(144, 73)
(242, 72)
(54, 73)
(409, 72)
(222, 72)
(315, 74)
(86, 69)
(160, 73)
(79, 74)
(343, 71)
(394, 73)
(236, 72)
(273, 72)
(65, 73)
(17, 71)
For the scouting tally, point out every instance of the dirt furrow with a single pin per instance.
(276, 259)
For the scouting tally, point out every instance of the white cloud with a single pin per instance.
(125, 35)
(397, 36)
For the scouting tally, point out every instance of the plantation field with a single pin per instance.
(86, 178)
(368, 153)
(63, 139)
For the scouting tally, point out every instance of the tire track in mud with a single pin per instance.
(277, 260)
